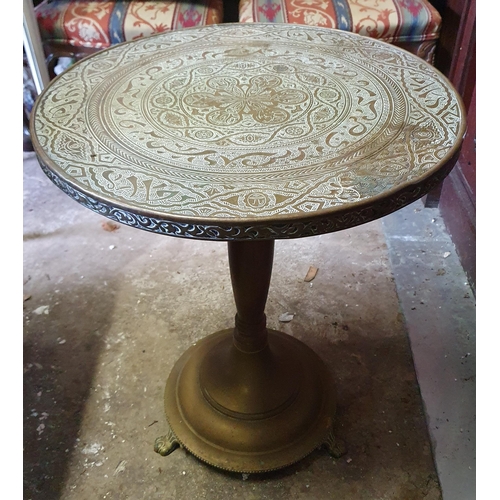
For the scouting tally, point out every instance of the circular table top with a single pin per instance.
(248, 131)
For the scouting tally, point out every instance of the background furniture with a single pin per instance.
(35, 73)
(32, 43)
(413, 25)
(76, 28)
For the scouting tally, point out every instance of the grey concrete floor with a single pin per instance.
(108, 311)
(439, 310)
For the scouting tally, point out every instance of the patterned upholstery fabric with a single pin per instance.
(99, 24)
(401, 22)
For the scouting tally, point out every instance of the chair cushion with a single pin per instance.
(392, 21)
(99, 24)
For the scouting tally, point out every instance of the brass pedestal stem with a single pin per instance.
(251, 265)
(249, 399)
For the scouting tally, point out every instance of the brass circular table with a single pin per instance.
(248, 133)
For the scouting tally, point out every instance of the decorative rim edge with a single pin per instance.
(267, 229)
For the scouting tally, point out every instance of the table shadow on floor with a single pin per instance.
(60, 353)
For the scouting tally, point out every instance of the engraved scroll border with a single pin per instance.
(321, 223)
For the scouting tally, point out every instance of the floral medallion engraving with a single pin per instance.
(259, 100)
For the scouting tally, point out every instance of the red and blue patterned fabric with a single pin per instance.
(99, 24)
(394, 21)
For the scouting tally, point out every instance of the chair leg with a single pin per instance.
(27, 144)
(29, 96)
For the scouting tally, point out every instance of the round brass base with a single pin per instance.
(250, 412)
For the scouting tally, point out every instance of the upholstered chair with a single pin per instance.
(413, 25)
(76, 28)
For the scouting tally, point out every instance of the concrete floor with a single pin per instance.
(108, 312)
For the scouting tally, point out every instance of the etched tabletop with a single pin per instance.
(248, 131)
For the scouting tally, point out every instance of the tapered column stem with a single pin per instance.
(251, 264)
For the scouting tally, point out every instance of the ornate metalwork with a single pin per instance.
(335, 446)
(335, 221)
(248, 131)
(164, 445)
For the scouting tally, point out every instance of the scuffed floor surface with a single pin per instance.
(108, 311)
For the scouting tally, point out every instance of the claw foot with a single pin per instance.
(335, 446)
(164, 445)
